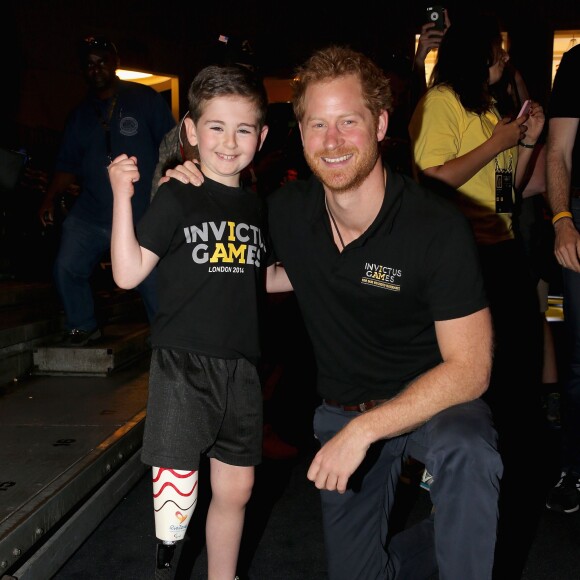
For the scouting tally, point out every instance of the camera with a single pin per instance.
(436, 14)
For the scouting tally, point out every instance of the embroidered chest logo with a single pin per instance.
(381, 276)
(128, 126)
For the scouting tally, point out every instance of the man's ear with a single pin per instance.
(190, 131)
(382, 125)
(262, 136)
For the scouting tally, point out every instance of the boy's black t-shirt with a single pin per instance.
(211, 241)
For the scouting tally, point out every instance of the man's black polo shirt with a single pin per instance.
(370, 310)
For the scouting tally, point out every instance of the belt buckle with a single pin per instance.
(363, 407)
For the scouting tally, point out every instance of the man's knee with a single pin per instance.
(465, 435)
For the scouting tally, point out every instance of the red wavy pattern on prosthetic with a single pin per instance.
(178, 475)
(170, 484)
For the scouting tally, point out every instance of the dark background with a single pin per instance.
(42, 80)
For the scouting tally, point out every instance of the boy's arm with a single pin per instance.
(131, 263)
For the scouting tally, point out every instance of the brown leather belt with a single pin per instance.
(360, 408)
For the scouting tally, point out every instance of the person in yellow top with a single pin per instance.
(463, 148)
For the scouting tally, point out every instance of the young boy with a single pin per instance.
(209, 249)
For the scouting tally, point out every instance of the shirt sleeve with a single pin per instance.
(156, 229)
(456, 287)
(564, 100)
(435, 129)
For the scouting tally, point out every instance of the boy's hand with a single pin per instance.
(189, 172)
(123, 173)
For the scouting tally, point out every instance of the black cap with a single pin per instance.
(95, 44)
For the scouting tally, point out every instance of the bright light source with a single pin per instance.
(159, 82)
(131, 75)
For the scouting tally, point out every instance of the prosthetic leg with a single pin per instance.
(174, 500)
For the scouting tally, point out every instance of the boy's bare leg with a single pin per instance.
(231, 488)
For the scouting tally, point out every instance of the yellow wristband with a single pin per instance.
(560, 215)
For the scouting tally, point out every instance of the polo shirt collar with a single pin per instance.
(316, 212)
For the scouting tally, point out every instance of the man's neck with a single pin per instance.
(356, 209)
(106, 92)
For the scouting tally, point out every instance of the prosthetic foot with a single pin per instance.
(163, 565)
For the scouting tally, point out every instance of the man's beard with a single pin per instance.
(343, 179)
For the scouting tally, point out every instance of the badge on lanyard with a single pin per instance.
(504, 201)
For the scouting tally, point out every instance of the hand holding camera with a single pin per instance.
(436, 14)
(432, 33)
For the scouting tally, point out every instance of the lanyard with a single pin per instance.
(105, 123)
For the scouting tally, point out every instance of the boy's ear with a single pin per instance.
(262, 136)
(190, 131)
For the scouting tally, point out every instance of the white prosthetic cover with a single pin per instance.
(174, 501)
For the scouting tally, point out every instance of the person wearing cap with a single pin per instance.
(115, 117)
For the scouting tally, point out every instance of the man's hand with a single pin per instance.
(46, 212)
(338, 459)
(567, 244)
(189, 172)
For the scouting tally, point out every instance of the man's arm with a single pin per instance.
(277, 279)
(466, 346)
(560, 142)
(131, 263)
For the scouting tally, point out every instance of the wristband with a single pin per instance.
(560, 215)
(530, 146)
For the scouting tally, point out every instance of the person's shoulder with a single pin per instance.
(139, 92)
(436, 97)
(573, 54)
(293, 193)
(441, 93)
(568, 68)
(175, 190)
(427, 204)
(132, 86)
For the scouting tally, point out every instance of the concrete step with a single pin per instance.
(120, 345)
(31, 318)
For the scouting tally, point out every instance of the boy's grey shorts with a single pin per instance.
(200, 404)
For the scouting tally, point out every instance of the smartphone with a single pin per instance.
(525, 108)
(436, 14)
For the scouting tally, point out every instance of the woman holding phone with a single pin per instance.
(465, 149)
